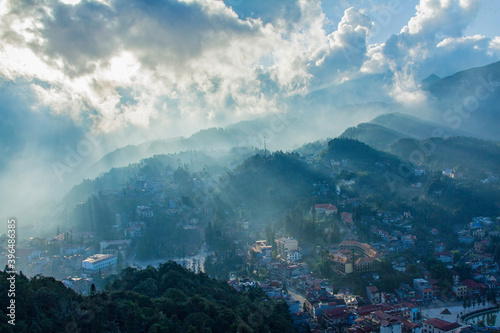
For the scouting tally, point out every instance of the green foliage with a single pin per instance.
(269, 185)
(167, 299)
(359, 155)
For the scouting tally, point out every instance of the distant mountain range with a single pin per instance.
(392, 122)
(469, 101)
(384, 130)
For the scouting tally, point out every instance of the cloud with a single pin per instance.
(446, 17)
(120, 62)
(155, 50)
(345, 51)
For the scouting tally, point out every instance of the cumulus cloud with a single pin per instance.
(155, 50)
(433, 42)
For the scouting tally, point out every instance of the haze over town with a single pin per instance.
(322, 148)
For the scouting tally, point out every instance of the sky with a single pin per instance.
(139, 70)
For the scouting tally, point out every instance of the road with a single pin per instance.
(296, 296)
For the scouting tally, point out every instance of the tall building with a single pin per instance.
(99, 261)
(286, 245)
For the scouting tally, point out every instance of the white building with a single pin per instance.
(294, 256)
(286, 245)
(99, 261)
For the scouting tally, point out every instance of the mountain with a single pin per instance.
(472, 156)
(470, 101)
(214, 162)
(429, 80)
(208, 139)
(374, 135)
(269, 184)
(359, 155)
(386, 129)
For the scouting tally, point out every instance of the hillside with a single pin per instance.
(469, 100)
(359, 155)
(209, 139)
(267, 185)
(386, 129)
(212, 162)
(469, 155)
(167, 299)
(376, 136)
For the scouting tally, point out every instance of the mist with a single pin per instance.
(85, 89)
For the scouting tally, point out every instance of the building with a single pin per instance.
(444, 257)
(365, 250)
(326, 209)
(99, 261)
(372, 294)
(473, 288)
(346, 217)
(294, 256)
(435, 325)
(422, 288)
(286, 245)
(144, 211)
(354, 256)
(460, 290)
(341, 264)
(390, 326)
(114, 246)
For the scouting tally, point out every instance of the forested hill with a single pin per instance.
(271, 183)
(167, 299)
(470, 155)
(359, 155)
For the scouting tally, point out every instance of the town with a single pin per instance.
(339, 266)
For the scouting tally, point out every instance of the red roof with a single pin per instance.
(471, 284)
(346, 217)
(442, 324)
(326, 207)
(337, 313)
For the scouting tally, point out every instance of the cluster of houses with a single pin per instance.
(379, 311)
(321, 310)
(353, 256)
(71, 256)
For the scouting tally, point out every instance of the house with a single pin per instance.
(460, 290)
(115, 246)
(346, 217)
(72, 249)
(435, 325)
(338, 316)
(144, 211)
(405, 292)
(422, 288)
(373, 295)
(137, 230)
(473, 288)
(26, 256)
(294, 256)
(326, 209)
(390, 326)
(444, 257)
